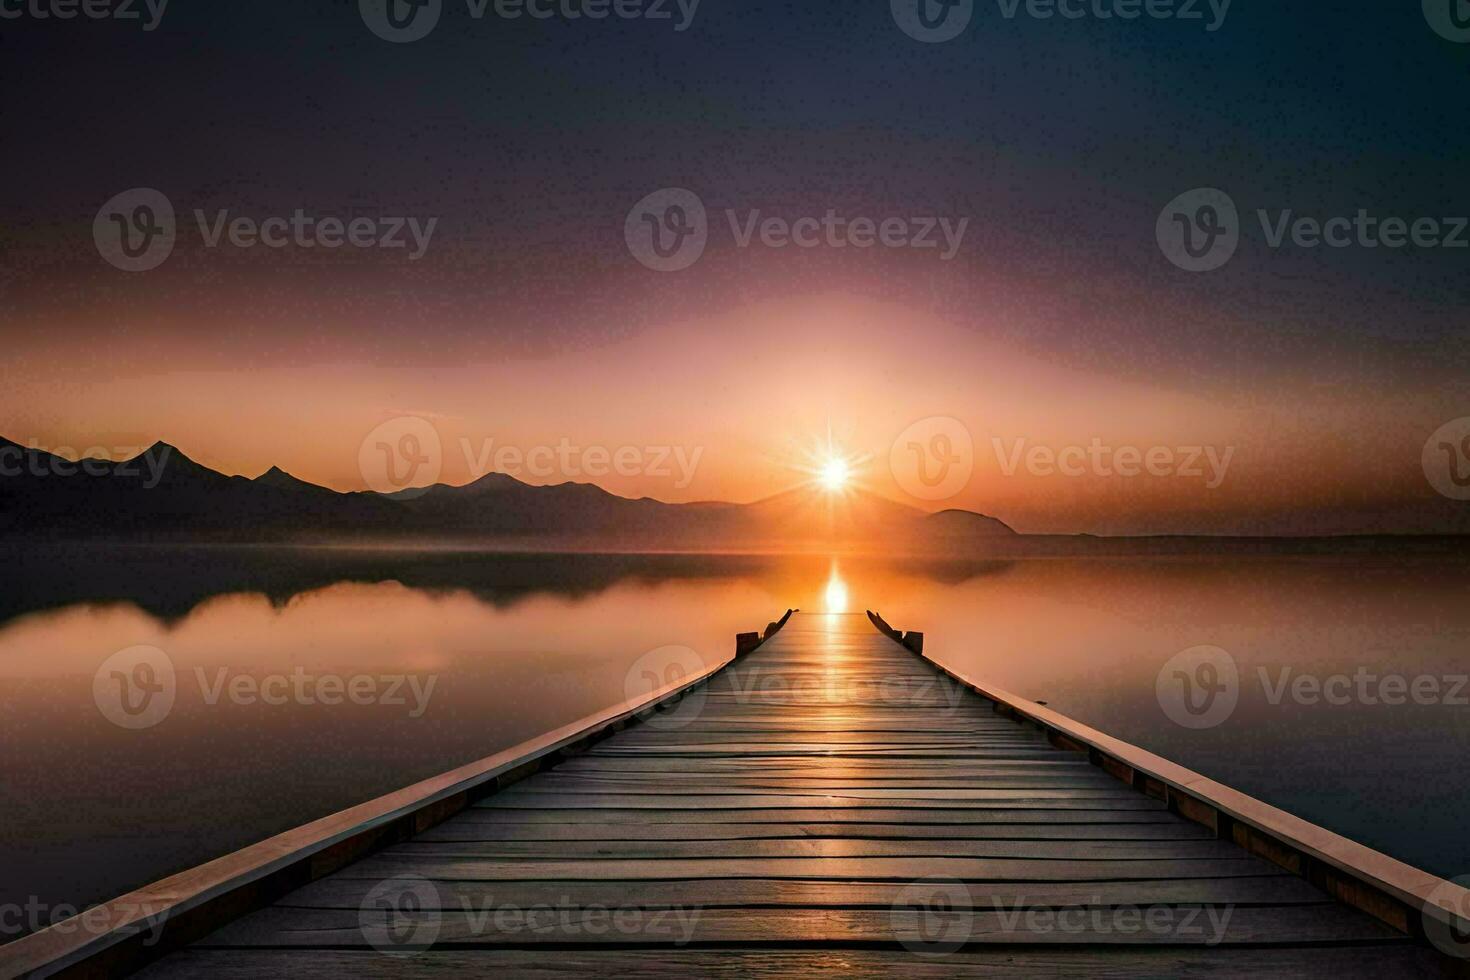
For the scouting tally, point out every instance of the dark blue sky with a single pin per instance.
(1060, 139)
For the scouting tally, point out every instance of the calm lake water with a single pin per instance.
(307, 681)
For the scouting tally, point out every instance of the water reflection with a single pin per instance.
(517, 645)
(834, 594)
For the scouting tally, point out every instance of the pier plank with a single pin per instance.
(515, 926)
(1276, 888)
(1126, 963)
(830, 802)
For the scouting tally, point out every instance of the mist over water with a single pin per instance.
(305, 681)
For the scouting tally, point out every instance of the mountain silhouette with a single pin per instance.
(163, 494)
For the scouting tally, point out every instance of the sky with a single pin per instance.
(1287, 388)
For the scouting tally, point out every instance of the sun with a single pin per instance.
(828, 468)
(835, 474)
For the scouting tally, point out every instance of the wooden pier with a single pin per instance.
(828, 800)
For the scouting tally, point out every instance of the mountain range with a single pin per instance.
(163, 494)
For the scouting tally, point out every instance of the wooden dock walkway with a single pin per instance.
(831, 802)
(827, 802)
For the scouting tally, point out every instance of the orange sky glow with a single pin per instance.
(742, 405)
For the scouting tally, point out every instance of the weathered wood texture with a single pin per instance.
(834, 805)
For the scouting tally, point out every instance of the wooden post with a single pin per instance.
(774, 627)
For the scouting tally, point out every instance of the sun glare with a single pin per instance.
(835, 474)
(829, 469)
(834, 593)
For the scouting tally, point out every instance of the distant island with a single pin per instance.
(161, 495)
